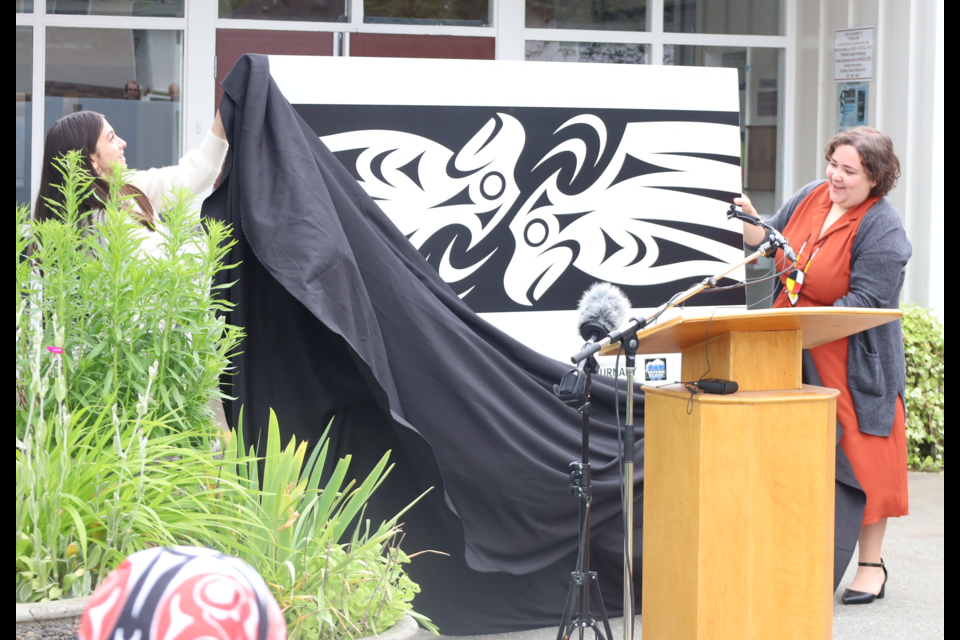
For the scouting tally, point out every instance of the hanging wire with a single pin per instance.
(773, 289)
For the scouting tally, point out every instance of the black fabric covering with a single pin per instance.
(850, 498)
(346, 319)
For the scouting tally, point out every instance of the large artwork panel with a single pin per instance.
(523, 183)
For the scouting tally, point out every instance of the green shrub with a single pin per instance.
(118, 353)
(121, 309)
(334, 576)
(93, 488)
(923, 345)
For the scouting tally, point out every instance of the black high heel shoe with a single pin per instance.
(859, 597)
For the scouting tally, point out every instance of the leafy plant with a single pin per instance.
(334, 576)
(93, 487)
(118, 351)
(128, 297)
(923, 346)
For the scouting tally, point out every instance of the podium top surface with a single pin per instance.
(820, 325)
(806, 394)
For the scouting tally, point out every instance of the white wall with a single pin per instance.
(906, 88)
(802, 165)
(918, 164)
(936, 236)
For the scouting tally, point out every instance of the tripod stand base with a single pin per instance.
(583, 621)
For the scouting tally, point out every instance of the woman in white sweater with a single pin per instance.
(102, 150)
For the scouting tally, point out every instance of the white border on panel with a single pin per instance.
(502, 83)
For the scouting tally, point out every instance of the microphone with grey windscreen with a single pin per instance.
(602, 309)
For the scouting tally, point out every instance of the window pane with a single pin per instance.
(741, 17)
(150, 8)
(131, 76)
(615, 15)
(761, 129)
(464, 13)
(587, 52)
(24, 6)
(24, 85)
(297, 10)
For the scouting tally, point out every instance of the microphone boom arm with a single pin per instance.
(636, 324)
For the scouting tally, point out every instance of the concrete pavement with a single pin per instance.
(913, 608)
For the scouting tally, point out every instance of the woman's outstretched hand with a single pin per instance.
(751, 235)
(217, 128)
(743, 202)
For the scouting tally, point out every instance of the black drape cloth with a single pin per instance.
(345, 318)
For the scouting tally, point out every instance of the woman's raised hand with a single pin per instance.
(217, 128)
(751, 235)
(744, 203)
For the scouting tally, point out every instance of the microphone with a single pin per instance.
(776, 239)
(736, 212)
(773, 238)
(602, 309)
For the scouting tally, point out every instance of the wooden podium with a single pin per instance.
(738, 513)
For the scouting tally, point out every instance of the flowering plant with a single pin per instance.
(122, 307)
(93, 488)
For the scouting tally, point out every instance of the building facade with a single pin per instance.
(153, 68)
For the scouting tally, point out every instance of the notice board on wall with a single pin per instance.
(523, 183)
(761, 174)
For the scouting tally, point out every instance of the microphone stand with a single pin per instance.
(627, 336)
(630, 343)
(574, 390)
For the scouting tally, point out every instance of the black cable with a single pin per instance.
(741, 285)
(706, 345)
(772, 289)
(773, 269)
(747, 283)
(670, 303)
(620, 443)
(693, 387)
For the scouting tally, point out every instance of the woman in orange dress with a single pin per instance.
(852, 252)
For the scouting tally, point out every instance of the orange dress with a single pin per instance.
(879, 463)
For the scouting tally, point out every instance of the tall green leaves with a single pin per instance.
(127, 297)
(923, 346)
(333, 574)
(119, 350)
(92, 488)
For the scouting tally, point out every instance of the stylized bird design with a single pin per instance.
(610, 230)
(647, 217)
(424, 187)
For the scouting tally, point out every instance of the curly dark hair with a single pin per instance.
(876, 154)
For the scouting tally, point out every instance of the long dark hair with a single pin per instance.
(80, 131)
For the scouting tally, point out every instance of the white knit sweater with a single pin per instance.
(197, 171)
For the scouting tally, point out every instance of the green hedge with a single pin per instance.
(923, 345)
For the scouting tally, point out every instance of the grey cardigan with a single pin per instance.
(876, 369)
